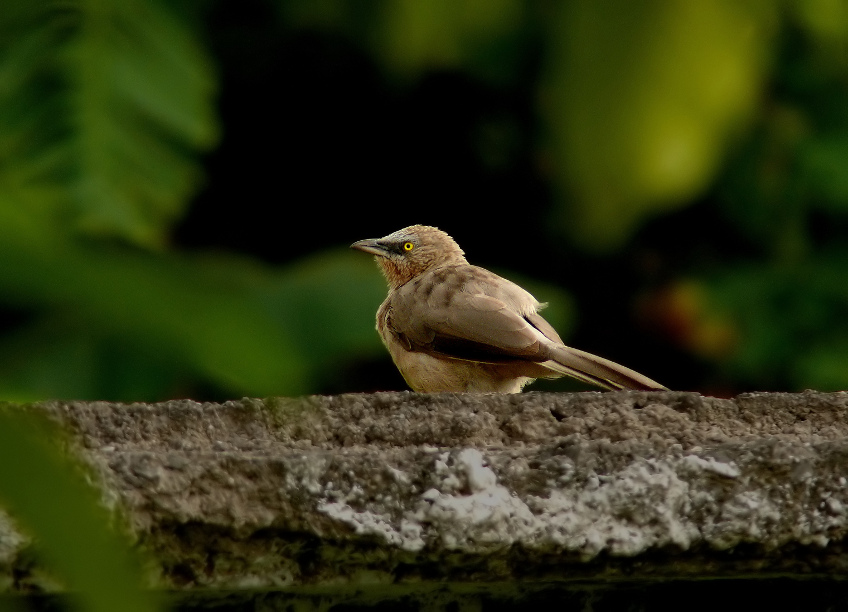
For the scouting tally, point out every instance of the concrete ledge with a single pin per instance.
(398, 491)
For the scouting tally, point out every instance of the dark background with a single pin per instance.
(672, 179)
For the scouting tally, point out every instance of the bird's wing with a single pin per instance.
(537, 321)
(467, 313)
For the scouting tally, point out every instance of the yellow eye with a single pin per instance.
(408, 246)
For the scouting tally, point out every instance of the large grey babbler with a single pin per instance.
(451, 326)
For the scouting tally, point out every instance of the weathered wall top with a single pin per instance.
(400, 488)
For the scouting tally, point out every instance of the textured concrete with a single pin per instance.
(398, 491)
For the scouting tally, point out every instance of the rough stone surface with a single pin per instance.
(401, 490)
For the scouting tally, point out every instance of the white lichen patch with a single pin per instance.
(486, 514)
(469, 510)
(646, 504)
(728, 470)
(638, 508)
(407, 537)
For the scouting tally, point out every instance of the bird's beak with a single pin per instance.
(372, 245)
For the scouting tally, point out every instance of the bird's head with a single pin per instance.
(411, 251)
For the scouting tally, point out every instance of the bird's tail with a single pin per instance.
(597, 370)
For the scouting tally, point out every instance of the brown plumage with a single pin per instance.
(451, 326)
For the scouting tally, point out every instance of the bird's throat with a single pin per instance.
(396, 276)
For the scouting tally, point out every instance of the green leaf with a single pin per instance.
(49, 498)
(173, 306)
(105, 105)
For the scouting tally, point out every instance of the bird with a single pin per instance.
(450, 326)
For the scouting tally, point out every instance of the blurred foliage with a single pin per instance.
(52, 502)
(642, 99)
(104, 108)
(131, 326)
(640, 110)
